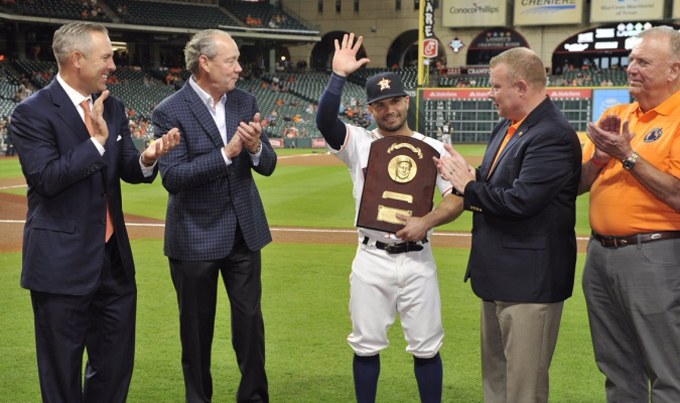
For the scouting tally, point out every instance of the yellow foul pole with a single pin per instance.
(421, 38)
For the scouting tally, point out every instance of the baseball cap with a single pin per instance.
(384, 85)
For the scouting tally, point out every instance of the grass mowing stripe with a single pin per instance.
(305, 299)
(302, 196)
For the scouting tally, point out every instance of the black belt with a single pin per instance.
(402, 247)
(618, 241)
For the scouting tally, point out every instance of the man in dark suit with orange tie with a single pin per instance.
(523, 254)
(74, 148)
(215, 220)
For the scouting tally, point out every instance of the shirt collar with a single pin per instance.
(204, 96)
(515, 125)
(72, 94)
(668, 106)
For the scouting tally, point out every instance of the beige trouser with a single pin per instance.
(518, 341)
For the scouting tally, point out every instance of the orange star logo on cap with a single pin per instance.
(384, 84)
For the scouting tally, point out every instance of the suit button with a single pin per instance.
(103, 195)
(103, 221)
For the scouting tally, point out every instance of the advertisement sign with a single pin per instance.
(473, 13)
(625, 10)
(498, 38)
(555, 93)
(570, 93)
(455, 94)
(430, 47)
(605, 99)
(318, 143)
(276, 143)
(426, 32)
(548, 12)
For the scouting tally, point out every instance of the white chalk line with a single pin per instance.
(283, 157)
(290, 229)
(13, 187)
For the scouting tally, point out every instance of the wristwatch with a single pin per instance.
(629, 162)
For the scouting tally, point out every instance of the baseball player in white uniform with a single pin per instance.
(392, 272)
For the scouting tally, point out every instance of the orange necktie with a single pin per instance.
(88, 122)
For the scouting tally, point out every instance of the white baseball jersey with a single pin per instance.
(384, 284)
(354, 153)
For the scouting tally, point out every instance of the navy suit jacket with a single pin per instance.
(523, 240)
(207, 197)
(68, 184)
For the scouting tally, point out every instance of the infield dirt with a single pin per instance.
(13, 210)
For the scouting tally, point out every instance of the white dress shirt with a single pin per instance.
(218, 113)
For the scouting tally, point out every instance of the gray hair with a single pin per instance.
(522, 64)
(668, 32)
(202, 43)
(74, 36)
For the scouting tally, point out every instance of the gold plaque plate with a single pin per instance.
(389, 214)
(398, 196)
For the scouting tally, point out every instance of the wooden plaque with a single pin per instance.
(400, 178)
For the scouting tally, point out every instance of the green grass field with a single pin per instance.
(305, 307)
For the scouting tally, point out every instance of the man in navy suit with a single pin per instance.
(74, 148)
(215, 220)
(523, 254)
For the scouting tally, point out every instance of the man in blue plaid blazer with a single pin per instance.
(215, 219)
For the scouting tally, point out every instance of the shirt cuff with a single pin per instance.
(147, 171)
(227, 160)
(100, 147)
(256, 157)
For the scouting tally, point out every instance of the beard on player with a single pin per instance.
(393, 127)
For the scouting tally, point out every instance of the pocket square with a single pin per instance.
(119, 138)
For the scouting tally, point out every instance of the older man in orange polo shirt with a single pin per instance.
(631, 278)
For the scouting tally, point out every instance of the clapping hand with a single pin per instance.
(161, 146)
(455, 169)
(611, 138)
(250, 134)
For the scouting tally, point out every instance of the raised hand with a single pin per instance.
(345, 58)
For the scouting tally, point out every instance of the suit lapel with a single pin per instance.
(200, 112)
(513, 140)
(232, 109)
(494, 145)
(522, 130)
(67, 111)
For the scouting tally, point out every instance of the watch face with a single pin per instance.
(629, 163)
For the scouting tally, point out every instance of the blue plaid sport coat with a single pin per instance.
(207, 197)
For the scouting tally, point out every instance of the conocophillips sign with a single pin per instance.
(471, 13)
